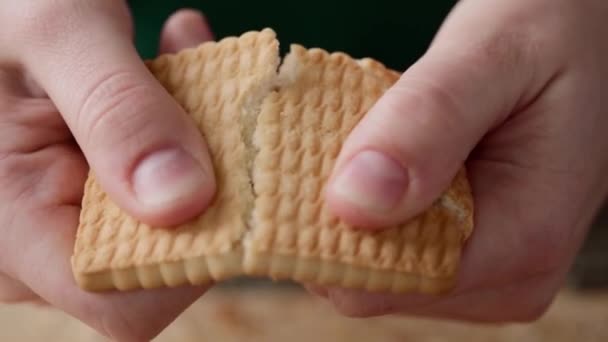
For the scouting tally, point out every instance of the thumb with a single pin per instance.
(407, 149)
(144, 149)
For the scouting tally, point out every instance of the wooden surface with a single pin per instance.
(287, 315)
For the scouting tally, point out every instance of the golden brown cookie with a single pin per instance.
(274, 137)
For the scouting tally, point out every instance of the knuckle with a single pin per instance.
(533, 313)
(444, 108)
(47, 19)
(113, 110)
(10, 166)
(516, 311)
(521, 300)
(354, 306)
(532, 308)
(8, 104)
(351, 310)
(117, 324)
(428, 109)
(53, 24)
(505, 50)
(13, 292)
(529, 297)
(512, 51)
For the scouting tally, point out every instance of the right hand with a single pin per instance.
(514, 89)
(75, 94)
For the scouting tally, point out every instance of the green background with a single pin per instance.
(394, 32)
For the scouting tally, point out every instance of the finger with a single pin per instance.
(16, 83)
(11, 83)
(317, 290)
(30, 124)
(12, 291)
(128, 316)
(500, 277)
(513, 264)
(40, 221)
(184, 29)
(145, 151)
(410, 145)
(521, 301)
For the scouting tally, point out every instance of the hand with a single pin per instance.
(141, 145)
(515, 89)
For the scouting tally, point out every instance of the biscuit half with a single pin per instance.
(218, 84)
(293, 235)
(274, 135)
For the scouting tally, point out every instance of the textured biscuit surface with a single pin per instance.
(274, 138)
(300, 132)
(214, 83)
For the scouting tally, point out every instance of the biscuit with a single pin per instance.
(273, 135)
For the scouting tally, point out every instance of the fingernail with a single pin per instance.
(168, 177)
(371, 181)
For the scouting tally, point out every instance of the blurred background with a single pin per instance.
(396, 33)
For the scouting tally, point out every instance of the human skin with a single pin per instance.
(511, 87)
(105, 111)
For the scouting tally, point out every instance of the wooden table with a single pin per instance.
(270, 314)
